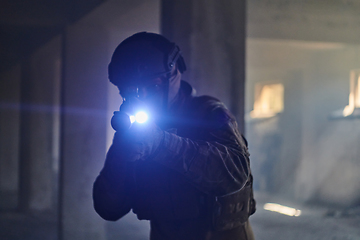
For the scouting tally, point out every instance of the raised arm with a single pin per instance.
(218, 163)
(112, 190)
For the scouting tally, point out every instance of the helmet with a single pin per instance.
(144, 56)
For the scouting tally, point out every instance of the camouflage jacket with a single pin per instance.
(198, 183)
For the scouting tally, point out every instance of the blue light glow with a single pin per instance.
(141, 117)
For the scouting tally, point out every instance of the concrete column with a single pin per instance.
(84, 100)
(24, 148)
(39, 128)
(88, 103)
(9, 137)
(211, 35)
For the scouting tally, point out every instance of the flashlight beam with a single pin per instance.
(132, 119)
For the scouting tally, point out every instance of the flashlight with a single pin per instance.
(139, 117)
(130, 112)
(122, 121)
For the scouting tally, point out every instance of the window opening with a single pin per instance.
(354, 96)
(352, 110)
(269, 100)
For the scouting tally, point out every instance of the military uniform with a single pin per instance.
(197, 184)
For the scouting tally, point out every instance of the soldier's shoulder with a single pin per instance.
(212, 109)
(206, 101)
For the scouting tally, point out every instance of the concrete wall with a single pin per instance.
(310, 47)
(333, 21)
(301, 153)
(29, 145)
(334, 177)
(39, 132)
(9, 137)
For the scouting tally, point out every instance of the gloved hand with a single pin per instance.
(142, 140)
(120, 121)
(135, 141)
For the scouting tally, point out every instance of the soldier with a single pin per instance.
(184, 166)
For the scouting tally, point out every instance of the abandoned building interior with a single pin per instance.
(289, 71)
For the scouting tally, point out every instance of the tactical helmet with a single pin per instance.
(143, 56)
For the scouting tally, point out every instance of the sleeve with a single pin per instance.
(112, 191)
(218, 164)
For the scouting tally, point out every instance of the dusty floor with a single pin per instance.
(314, 223)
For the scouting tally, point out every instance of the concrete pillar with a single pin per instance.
(84, 100)
(88, 102)
(211, 35)
(9, 137)
(39, 128)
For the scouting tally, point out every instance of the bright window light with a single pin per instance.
(269, 100)
(354, 96)
(274, 207)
